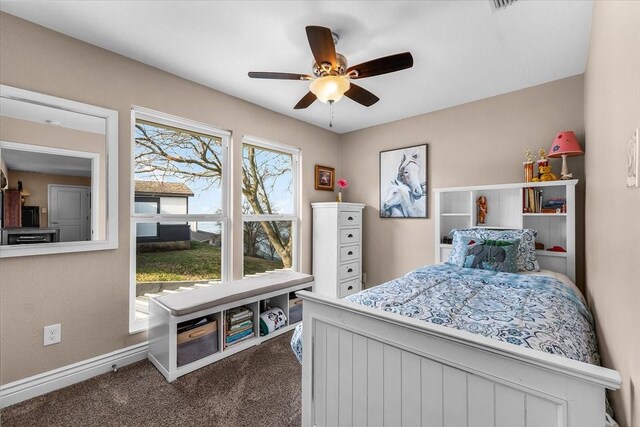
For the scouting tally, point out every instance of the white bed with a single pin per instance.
(369, 367)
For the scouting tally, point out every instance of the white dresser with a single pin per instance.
(337, 248)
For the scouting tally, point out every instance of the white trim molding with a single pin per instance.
(37, 385)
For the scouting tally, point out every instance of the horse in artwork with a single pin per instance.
(409, 175)
(400, 203)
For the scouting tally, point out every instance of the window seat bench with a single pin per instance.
(196, 324)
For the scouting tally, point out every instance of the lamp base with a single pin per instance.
(564, 174)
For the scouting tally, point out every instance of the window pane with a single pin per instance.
(149, 206)
(181, 168)
(267, 181)
(267, 246)
(180, 255)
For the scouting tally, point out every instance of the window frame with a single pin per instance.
(296, 188)
(141, 113)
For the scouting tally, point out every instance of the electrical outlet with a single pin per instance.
(44, 210)
(52, 334)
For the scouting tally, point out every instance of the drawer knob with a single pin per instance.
(349, 235)
(350, 218)
(350, 270)
(350, 287)
(350, 253)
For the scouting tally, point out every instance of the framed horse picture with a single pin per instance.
(403, 182)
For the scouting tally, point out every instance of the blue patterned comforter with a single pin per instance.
(538, 312)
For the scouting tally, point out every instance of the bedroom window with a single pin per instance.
(179, 218)
(270, 180)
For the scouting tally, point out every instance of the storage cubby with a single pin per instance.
(503, 208)
(197, 338)
(278, 301)
(243, 316)
(506, 209)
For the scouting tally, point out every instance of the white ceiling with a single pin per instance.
(463, 50)
(52, 116)
(29, 161)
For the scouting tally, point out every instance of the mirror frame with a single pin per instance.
(111, 137)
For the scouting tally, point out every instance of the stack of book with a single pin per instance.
(238, 326)
(555, 205)
(532, 200)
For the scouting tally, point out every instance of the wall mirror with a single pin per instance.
(58, 175)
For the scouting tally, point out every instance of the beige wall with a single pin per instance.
(37, 184)
(89, 293)
(612, 112)
(478, 143)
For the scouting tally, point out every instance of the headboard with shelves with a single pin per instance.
(508, 208)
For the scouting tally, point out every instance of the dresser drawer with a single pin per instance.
(348, 270)
(349, 287)
(349, 235)
(348, 218)
(350, 253)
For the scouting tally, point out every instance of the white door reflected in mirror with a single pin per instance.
(69, 212)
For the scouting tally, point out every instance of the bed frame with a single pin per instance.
(367, 367)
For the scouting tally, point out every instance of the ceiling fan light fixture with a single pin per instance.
(329, 89)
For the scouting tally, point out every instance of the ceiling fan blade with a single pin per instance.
(361, 96)
(278, 76)
(305, 101)
(322, 46)
(387, 64)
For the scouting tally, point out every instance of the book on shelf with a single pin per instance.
(238, 326)
(241, 325)
(238, 341)
(235, 337)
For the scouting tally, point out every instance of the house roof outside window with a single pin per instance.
(155, 188)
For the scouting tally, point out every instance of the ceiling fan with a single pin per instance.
(331, 78)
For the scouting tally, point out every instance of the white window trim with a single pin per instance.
(141, 113)
(297, 197)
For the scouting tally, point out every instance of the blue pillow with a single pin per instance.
(526, 258)
(494, 255)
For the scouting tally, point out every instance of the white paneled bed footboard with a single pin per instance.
(366, 367)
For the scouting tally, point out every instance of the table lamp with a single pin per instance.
(565, 145)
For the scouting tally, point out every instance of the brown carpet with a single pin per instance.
(256, 387)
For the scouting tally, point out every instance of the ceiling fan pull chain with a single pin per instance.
(330, 114)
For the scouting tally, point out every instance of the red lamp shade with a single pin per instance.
(566, 144)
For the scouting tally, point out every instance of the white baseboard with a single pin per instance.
(46, 382)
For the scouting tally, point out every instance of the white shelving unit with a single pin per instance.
(456, 208)
(163, 330)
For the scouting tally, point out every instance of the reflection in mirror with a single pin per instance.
(54, 174)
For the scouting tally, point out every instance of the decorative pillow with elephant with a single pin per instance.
(526, 250)
(494, 255)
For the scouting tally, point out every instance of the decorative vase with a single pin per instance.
(339, 197)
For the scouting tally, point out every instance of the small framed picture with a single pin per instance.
(633, 160)
(325, 178)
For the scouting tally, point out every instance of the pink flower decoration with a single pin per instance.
(342, 183)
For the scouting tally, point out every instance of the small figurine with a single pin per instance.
(528, 155)
(545, 174)
(543, 154)
(544, 168)
(482, 209)
(528, 166)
